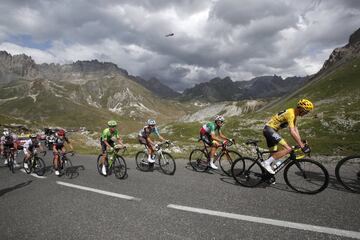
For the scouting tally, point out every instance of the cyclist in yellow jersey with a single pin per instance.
(282, 120)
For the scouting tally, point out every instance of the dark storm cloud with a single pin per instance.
(240, 39)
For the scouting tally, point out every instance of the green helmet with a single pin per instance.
(112, 123)
(33, 135)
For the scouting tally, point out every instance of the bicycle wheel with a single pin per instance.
(141, 161)
(28, 169)
(11, 164)
(198, 160)
(306, 176)
(226, 160)
(119, 167)
(247, 172)
(167, 163)
(39, 166)
(99, 164)
(347, 172)
(67, 167)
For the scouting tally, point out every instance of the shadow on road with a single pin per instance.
(335, 185)
(70, 172)
(278, 186)
(73, 171)
(207, 171)
(17, 186)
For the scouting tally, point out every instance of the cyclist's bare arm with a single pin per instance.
(120, 142)
(223, 136)
(216, 138)
(107, 144)
(161, 138)
(295, 134)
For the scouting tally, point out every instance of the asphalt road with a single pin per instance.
(188, 205)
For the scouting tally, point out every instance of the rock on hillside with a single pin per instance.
(227, 109)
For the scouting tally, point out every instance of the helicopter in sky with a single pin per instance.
(169, 35)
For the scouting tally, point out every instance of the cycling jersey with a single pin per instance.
(30, 145)
(59, 143)
(107, 135)
(283, 119)
(146, 131)
(9, 140)
(209, 128)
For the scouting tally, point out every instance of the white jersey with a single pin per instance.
(29, 144)
(7, 140)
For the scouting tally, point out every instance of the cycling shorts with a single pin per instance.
(273, 138)
(207, 139)
(104, 146)
(142, 140)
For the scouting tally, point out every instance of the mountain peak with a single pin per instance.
(355, 37)
(96, 66)
(344, 54)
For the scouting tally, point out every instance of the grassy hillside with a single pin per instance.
(42, 103)
(333, 128)
(334, 125)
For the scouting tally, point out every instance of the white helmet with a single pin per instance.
(6, 133)
(219, 118)
(151, 122)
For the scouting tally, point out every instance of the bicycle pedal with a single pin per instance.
(271, 180)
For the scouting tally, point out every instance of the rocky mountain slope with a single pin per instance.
(72, 94)
(225, 89)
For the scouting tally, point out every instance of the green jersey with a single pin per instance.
(107, 135)
(209, 128)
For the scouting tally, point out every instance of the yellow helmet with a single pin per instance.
(305, 104)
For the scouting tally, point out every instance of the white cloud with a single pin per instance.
(39, 56)
(240, 39)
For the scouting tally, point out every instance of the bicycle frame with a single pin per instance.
(62, 157)
(222, 150)
(260, 157)
(158, 151)
(112, 155)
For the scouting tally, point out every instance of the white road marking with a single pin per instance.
(32, 174)
(300, 226)
(112, 194)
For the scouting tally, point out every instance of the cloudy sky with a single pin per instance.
(237, 38)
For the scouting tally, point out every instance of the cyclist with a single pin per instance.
(8, 141)
(108, 139)
(59, 145)
(279, 121)
(144, 138)
(29, 147)
(207, 135)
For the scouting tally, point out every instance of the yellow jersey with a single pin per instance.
(283, 119)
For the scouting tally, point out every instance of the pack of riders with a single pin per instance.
(210, 134)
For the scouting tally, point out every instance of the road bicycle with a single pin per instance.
(199, 159)
(65, 163)
(115, 163)
(35, 164)
(163, 159)
(300, 174)
(347, 172)
(9, 155)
